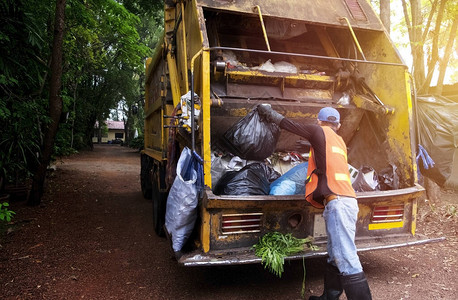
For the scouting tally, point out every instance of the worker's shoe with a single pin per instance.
(356, 287)
(332, 285)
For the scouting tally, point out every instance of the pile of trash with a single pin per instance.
(267, 66)
(250, 166)
(232, 175)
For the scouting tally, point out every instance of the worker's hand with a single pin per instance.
(264, 109)
(270, 115)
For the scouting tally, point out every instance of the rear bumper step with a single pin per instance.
(247, 256)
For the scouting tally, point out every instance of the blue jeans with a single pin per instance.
(340, 216)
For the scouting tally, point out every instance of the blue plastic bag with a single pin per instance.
(292, 182)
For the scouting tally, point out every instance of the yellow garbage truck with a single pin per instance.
(228, 56)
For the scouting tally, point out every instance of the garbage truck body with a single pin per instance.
(298, 56)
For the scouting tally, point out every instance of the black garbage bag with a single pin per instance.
(366, 180)
(252, 137)
(253, 179)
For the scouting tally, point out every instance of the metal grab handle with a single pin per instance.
(262, 25)
(193, 125)
(176, 117)
(354, 36)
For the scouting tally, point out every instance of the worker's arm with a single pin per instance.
(307, 131)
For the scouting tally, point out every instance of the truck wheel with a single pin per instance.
(159, 202)
(146, 164)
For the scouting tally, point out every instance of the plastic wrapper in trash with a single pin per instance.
(186, 107)
(267, 67)
(218, 168)
(344, 100)
(281, 66)
(366, 180)
(285, 67)
(292, 182)
(236, 163)
(353, 173)
(388, 178)
(181, 210)
(252, 137)
(230, 57)
(253, 179)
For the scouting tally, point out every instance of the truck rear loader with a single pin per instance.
(298, 56)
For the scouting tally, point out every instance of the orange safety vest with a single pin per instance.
(337, 174)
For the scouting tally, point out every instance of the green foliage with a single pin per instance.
(273, 247)
(24, 53)
(105, 56)
(451, 211)
(105, 45)
(62, 146)
(23, 46)
(137, 143)
(18, 145)
(5, 213)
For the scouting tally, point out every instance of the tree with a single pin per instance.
(447, 53)
(115, 59)
(55, 105)
(103, 48)
(24, 67)
(433, 40)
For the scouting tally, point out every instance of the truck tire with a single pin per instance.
(159, 200)
(146, 164)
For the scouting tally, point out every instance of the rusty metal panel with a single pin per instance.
(356, 10)
(359, 12)
(259, 91)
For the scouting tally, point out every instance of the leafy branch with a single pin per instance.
(5, 213)
(273, 247)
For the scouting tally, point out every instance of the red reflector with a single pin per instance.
(241, 223)
(392, 213)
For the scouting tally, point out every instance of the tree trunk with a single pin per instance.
(89, 131)
(55, 105)
(385, 11)
(430, 18)
(74, 113)
(126, 129)
(416, 42)
(433, 191)
(407, 19)
(448, 51)
(434, 57)
(99, 135)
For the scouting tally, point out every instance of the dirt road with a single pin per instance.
(92, 238)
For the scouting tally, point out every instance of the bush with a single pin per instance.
(137, 143)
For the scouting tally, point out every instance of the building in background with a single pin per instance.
(110, 132)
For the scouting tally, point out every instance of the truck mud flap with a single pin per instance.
(247, 256)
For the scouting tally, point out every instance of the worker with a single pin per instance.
(328, 186)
